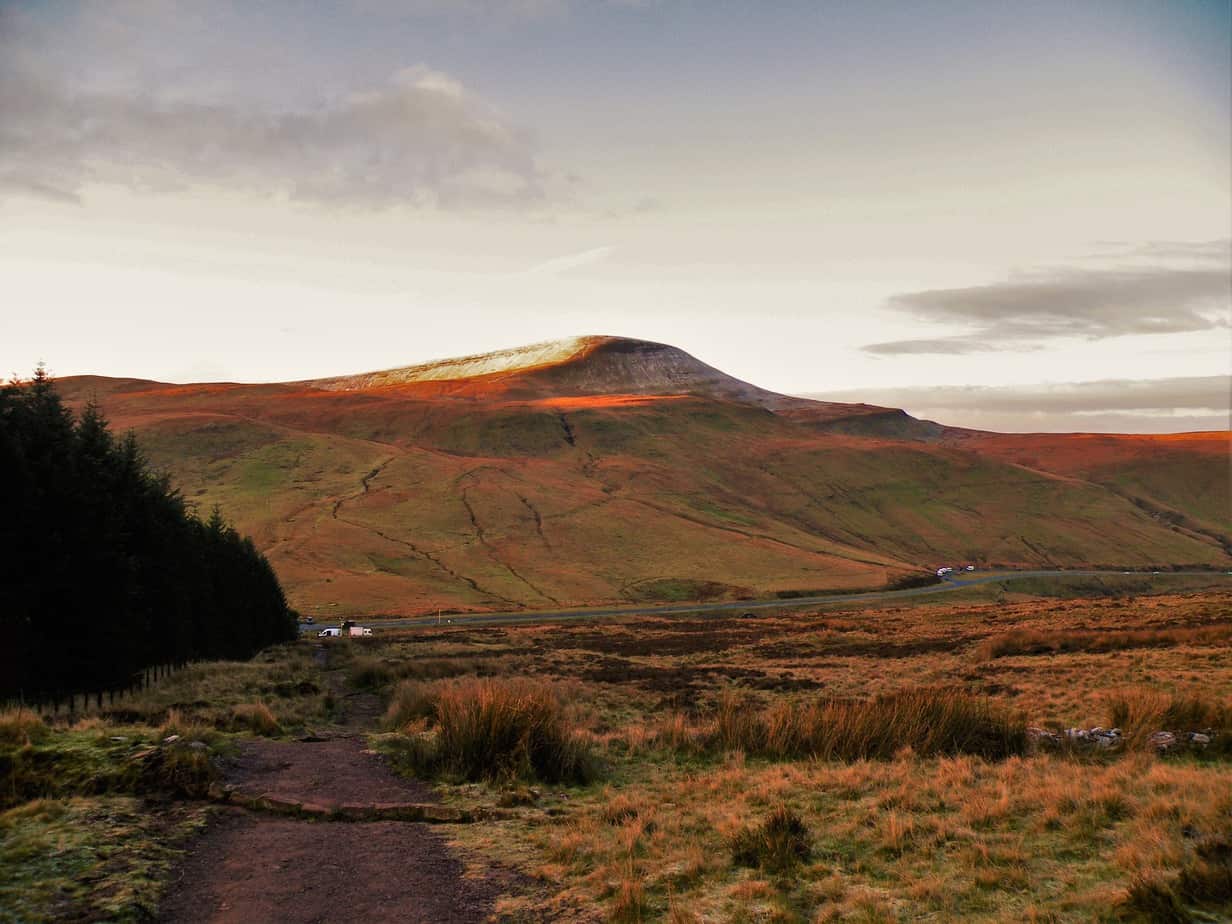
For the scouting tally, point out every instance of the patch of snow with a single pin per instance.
(550, 352)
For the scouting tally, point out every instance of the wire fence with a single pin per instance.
(71, 703)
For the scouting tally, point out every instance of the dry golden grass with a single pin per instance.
(491, 729)
(708, 726)
(1034, 642)
(256, 718)
(21, 726)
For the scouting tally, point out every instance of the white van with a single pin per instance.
(329, 633)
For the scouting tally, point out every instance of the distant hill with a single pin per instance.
(602, 469)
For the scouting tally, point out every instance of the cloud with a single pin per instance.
(419, 140)
(950, 345)
(1111, 405)
(1192, 293)
(558, 265)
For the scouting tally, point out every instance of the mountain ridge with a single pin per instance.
(607, 470)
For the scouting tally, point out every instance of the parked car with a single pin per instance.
(329, 633)
(308, 620)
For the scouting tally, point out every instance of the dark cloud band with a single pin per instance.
(1193, 294)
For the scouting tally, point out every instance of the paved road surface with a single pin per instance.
(955, 581)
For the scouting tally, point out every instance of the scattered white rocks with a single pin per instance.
(1102, 738)
(1162, 741)
(1098, 736)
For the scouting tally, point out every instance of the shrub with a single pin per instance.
(776, 845)
(21, 726)
(256, 718)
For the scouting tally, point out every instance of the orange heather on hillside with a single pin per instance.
(601, 469)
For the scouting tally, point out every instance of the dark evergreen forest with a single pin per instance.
(104, 570)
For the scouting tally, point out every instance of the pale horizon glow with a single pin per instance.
(814, 198)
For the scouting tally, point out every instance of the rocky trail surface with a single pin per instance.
(258, 866)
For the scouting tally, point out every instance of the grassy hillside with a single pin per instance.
(406, 498)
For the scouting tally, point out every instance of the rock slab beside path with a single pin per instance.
(254, 867)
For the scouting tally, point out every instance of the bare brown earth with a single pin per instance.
(250, 866)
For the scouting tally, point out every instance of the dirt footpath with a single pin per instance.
(330, 772)
(251, 867)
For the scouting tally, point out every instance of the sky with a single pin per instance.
(1007, 215)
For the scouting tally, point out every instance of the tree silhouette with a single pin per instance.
(103, 569)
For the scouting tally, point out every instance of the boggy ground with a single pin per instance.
(1049, 834)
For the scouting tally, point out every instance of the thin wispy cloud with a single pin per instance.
(558, 265)
(1026, 310)
(1108, 405)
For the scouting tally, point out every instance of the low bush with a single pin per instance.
(777, 845)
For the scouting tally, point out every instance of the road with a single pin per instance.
(956, 581)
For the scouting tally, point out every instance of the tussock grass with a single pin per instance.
(1139, 712)
(441, 668)
(368, 673)
(410, 704)
(1203, 881)
(177, 723)
(929, 722)
(256, 718)
(629, 904)
(21, 726)
(1037, 642)
(493, 730)
(778, 844)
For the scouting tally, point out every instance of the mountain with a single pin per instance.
(602, 469)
